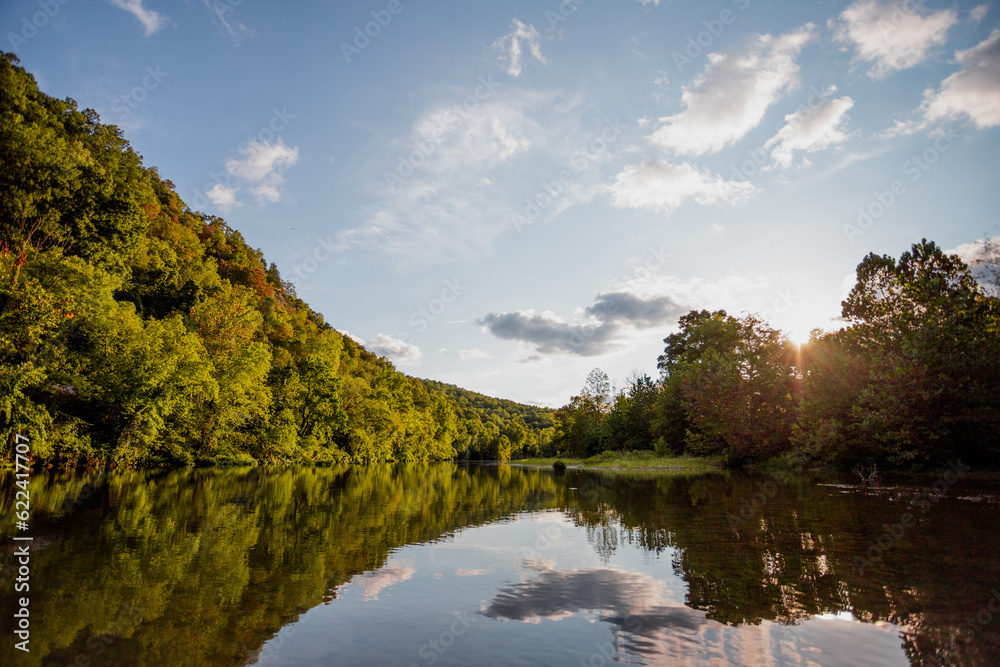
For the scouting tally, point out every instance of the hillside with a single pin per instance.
(136, 331)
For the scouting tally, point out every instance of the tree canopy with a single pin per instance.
(910, 382)
(134, 330)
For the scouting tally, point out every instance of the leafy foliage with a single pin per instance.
(134, 330)
(911, 383)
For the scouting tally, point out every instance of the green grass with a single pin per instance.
(630, 461)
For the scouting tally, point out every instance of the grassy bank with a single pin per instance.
(630, 461)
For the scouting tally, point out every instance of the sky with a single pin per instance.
(504, 195)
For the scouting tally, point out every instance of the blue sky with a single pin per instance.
(504, 195)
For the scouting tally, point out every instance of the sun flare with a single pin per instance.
(800, 334)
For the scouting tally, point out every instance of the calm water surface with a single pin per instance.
(437, 564)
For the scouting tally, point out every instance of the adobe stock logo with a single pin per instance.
(914, 168)
(125, 104)
(40, 19)
(372, 29)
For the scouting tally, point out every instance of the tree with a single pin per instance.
(730, 384)
(578, 424)
(629, 423)
(930, 335)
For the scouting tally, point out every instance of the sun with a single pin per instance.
(799, 334)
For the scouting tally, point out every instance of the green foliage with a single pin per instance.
(911, 383)
(914, 381)
(135, 331)
(491, 428)
(559, 467)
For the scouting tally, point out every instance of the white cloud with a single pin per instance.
(357, 340)
(151, 20)
(463, 572)
(810, 129)
(473, 354)
(983, 259)
(974, 91)
(507, 144)
(393, 348)
(263, 167)
(978, 12)
(511, 47)
(373, 583)
(263, 159)
(892, 36)
(729, 98)
(222, 196)
(661, 186)
(646, 618)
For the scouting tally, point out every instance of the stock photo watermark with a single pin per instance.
(30, 26)
(579, 162)
(752, 505)
(456, 116)
(698, 44)
(432, 651)
(759, 159)
(22, 552)
(883, 200)
(424, 316)
(923, 501)
(363, 35)
(566, 9)
(127, 103)
(250, 148)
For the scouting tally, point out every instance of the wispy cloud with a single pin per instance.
(151, 20)
(224, 13)
(979, 12)
(892, 36)
(474, 354)
(730, 97)
(662, 186)
(445, 188)
(811, 129)
(512, 45)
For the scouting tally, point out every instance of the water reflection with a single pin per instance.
(234, 566)
(651, 629)
(797, 558)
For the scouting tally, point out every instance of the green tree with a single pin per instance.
(929, 333)
(629, 423)
(730, 383)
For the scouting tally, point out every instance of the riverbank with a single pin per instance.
(616, 461)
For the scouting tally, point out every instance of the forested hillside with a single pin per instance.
(495, 428)
(135, 331)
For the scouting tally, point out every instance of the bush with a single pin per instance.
(559, 467)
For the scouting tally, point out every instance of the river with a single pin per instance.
(443, 564)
